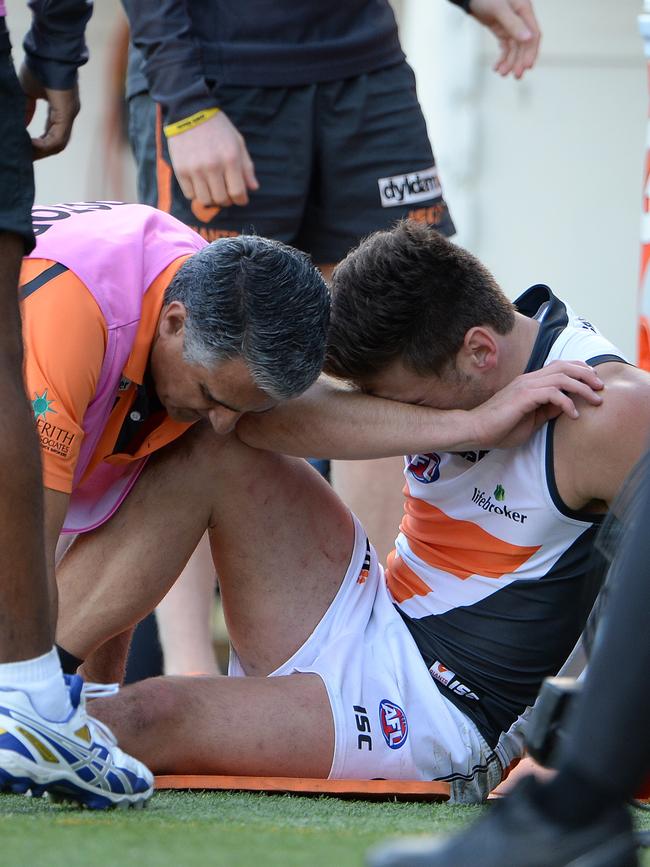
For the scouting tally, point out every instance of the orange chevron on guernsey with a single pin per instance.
(458, 547)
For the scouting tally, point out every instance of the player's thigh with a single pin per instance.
(277, 128)
(374, 165)
(244, 726)
(282, 543)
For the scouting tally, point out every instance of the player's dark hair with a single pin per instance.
(260, 300)
(408, 294)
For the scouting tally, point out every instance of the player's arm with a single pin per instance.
(594, 456)
(514, 24)
(332, 422)
(208, 154)
(54, 49)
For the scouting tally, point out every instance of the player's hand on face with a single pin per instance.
(63, 107)
(212, 164)
(514, 24)
(513, 414)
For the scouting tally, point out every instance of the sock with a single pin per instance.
(42, 680)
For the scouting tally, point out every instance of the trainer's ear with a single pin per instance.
(172, 320)
(480, 351)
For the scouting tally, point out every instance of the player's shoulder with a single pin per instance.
(594, 453)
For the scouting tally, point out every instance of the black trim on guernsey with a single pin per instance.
(604, 359)
(560, 505)
(44, 277)
(552, 324)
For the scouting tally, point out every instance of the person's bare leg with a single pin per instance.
(185, 617)
(282, 542)
(26, 628)
(276, 726)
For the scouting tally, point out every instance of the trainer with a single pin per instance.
(135, 328)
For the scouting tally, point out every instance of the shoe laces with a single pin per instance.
(79, 687)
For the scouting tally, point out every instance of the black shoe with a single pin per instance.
(515, 833)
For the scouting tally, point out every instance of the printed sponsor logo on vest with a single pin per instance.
(447, 678)
(394, 725)
(410, 187)
(424, 468)
(484, 501)
(55, 439)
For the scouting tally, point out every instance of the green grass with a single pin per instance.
(224, 830)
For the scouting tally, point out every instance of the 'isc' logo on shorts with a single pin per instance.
(394, 725)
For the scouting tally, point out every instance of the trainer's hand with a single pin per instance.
(514, 413)
(212, 164)
(63, 107)
(514, 24)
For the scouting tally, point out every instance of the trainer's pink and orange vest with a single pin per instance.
(117, 250)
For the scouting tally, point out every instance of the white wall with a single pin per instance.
(543, 176)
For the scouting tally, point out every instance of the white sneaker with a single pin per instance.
(77, 759)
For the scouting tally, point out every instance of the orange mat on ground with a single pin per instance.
(380, 790)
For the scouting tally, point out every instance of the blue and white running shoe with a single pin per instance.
(76, 760)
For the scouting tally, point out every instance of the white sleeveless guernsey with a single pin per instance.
(491, 569)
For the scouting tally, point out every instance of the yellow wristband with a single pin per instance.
(190, 122)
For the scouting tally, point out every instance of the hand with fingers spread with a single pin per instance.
(212, 164)
(514, 413)
(514, 24)
(63, 107)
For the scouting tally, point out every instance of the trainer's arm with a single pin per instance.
(332, 422)
(594, 456)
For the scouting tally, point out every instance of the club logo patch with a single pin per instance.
(424, 468)
(393, 723)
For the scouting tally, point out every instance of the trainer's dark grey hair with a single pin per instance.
(259, 300)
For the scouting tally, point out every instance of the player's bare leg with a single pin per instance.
(276, 726)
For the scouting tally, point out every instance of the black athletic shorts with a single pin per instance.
(335, 161)
(16, 171)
